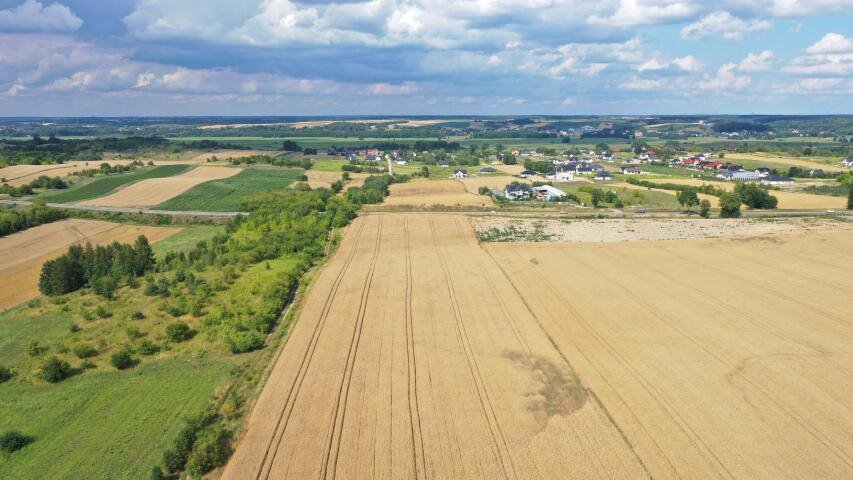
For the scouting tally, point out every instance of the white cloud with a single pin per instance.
(632, 13)
(33, 16)
(726, 80)
(405, 88)
(642, 84)
(831, 43)
(819, 83)
(568, 101)
(802, 8)
(832, 55)
(756, 62)
(651, 64)
(689, 63)
(724, 24)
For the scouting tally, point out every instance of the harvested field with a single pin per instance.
(154, 191)
(835, 166)
(622, 230)
(497, 182)
(787, 200)
(22, 254)
(717, 357)
(226, 154)
(415, 358)
(18, 175)
(510, 169)
(428, 193)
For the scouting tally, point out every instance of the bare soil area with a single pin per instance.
(22, 254)
(634, 229)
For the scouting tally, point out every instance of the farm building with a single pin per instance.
(776, 180)
(548, 192)
(527, 174)
(740, 176)
(487, 170)
(631, 170)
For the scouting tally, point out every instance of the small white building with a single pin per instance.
(548, 192)
(847, 162)
(460, 173)
(776, 180)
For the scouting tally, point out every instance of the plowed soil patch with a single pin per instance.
(414, 357)
(434, 192)
(22, 254)
(154, 191)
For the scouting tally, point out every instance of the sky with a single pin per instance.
(425, 57)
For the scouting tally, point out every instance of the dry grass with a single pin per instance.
(22, 254)
(414, 358)
(717, 358)
(473, 184)
(790, 161)
(224, 155)
(147, 193)
(427, 193)
(18, 175)
(320, 178)
(787, 200)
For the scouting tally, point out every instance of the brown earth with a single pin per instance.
(18, 175)
(154, 191)
(22, 254)
(414, 357)
(717, 358)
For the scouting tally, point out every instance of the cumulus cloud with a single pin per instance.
(689, 63)
(642, 84)
(832, 55)
(726, 80)
(632, 13)
(724, 24)
(802, 8)
(33, 16)
(405, 88)
(753, 62)
(568, 101)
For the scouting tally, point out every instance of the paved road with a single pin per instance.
(128, 210)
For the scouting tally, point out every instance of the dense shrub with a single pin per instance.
(55, 370)
(123, 359)
(147, 347)
(13, 440)
(175, 458)
(14, 220)
(6, 374)
(209, 451)
(754, 196)
(84, 351)
(137, 315)
(730, 205)
(179, 332)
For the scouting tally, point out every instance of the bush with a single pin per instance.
(55, 370)
(84, 351)
(13, 440)
(102, 312)
(242, 342)
(730, 205)
(704, 208)
(754, 196)
(123, 359)
(34, 348)
(137, 315)
(210, 450)
(6, 374)
(179, 332)
(147, 347)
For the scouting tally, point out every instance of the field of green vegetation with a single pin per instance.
(630, 197)
(100, 186)
(228, 195)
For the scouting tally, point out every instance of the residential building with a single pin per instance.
(548, 192)
(518, 191)
(460, 173)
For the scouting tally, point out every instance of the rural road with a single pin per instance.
(127, 210)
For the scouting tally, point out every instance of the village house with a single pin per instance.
(561, 173)
(763, 171)
(487, 170)
(847, 162)
(442, 163)
(603, 175)
(460, 173)
(518, 191)
(631, 170)
(527, 174)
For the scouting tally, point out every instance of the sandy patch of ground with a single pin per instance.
(717, 358)
(414, 357)
(621, 230)
(147, 193)
(18, 175)
(22, 254)
(427, 193)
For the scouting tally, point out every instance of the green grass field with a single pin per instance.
(100, 186)
(186, 239)
(228, 194)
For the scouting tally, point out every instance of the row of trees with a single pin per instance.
(100, 267)
(14, 220)
(29, 188)
(278, 161)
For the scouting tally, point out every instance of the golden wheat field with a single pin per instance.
(147, 193)
(22, 254)
(428, 193)
(819, 162)
(717, 358)
(18, 175)
(225, 155)
(420, 353)
(414, 357)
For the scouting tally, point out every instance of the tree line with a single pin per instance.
(14, 219)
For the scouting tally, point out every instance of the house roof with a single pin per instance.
(528, 172)
(518, 187)
(488, 169)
